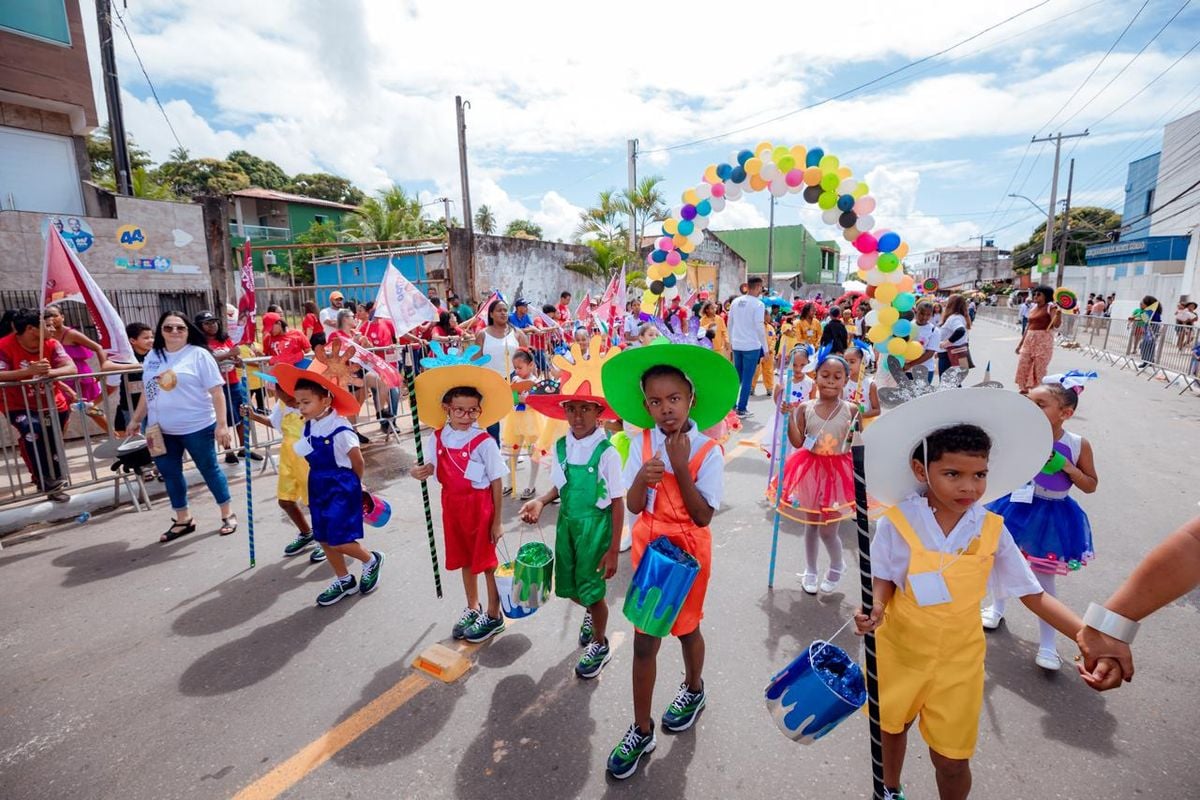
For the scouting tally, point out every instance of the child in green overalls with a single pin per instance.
(586, 474)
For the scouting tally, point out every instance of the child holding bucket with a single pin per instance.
(522, 427)
(936, 554)
(675, 476)
(335, 467)
(459, 399)
(588, 479)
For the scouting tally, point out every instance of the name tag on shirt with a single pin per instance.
(1022, 495)
(474, 472)
(929, 588)
(810, 441)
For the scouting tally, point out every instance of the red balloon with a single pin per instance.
(870, 291)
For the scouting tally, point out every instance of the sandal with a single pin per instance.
(228, 527)
(527, 494)
(176, 530)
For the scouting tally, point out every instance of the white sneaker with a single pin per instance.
(992, 619)
(808, 582)
(626, 539)
(1048, 660)
(831, 580)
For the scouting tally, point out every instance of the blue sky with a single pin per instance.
(557, 88)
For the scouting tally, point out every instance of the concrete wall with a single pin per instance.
(45, 75)
(519, 268)
(173, 231)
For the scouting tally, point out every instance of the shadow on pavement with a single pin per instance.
(115, 559)
(21, 556)
(240, 599)
(801, 617)
(261, 653)
(536, 740)
(662, 774)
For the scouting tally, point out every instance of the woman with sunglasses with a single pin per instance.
(182, 395)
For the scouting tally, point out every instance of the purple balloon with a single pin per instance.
(688, 211)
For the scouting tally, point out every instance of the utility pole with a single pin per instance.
(1066, 228)
(771, 246)
(446, 205)
(631, 147)
(1057, 138)
(122, 170)
(468, 223)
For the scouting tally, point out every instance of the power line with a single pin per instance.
(146, 75)
(853, 90)
(1132, 97)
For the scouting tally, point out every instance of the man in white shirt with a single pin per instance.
(1023, 313)
(329, 314)
(748, 338)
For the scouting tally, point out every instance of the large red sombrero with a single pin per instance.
(344, 403)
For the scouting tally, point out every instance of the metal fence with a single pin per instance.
(134, 305)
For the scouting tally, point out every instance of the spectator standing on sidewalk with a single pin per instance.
(748, 338)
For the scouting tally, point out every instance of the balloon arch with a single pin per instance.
(843, 200)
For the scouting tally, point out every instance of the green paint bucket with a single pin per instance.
(533, 575)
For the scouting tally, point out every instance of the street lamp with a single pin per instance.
(1028, 200)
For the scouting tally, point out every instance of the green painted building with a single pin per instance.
(798, 256)
(267, 217)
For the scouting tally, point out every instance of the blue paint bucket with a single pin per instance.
(661, 583)
(812, 695)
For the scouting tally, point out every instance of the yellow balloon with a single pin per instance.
(800, 154)
(763, 147)
(879, 333)
(887, 293)
(897, 346)
(778, 153)
(670, 226)
(844, 172)
(757, 184)
(710, 174)
(902, 250)
(690, 197)
(913, 350)
(681, 270)
(687, 245)
(679, 240)
(649, 303)
(860, 190)
(754, 166)
(887, 316)
(659, 271)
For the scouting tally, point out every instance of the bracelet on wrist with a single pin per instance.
(1110, 623)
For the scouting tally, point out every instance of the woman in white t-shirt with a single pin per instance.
(953, 335)
(184, 403)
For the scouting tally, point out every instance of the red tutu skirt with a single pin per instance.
(817, 490)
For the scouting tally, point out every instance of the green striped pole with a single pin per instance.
(246, 437)
(410, 378)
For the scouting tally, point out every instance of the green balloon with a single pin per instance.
(904, 302)
(827, 200)
(830, 182)
(887, 262)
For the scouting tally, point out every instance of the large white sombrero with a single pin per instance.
(1020, 433)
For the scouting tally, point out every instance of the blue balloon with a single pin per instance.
(686, 226)
(724, 171)
(659, 256)
(682, 255)
(744, 156)
(901, 328)
(669, 281)
(846, 202)
(888, 242)
(814, 157)
(738, 175)
(703, 208)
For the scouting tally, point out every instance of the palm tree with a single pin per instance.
(646, 203)
(391, 215)
(485, 221)
(606, 259)
(603, 220)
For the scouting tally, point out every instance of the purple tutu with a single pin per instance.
(1054, 534)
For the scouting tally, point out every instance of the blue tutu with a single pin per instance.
(1054, 534)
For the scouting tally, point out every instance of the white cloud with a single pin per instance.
(741, 213)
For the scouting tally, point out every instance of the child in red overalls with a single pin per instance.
(470, 469)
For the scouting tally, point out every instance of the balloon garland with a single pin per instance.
(821, 179)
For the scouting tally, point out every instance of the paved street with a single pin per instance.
(138, 670)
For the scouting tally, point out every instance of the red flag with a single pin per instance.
(245, 330)
(582, 314)
(65, 278)
(480, 320)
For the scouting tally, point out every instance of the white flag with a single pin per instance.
(402, 303)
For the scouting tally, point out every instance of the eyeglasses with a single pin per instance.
(465, 412)
(174, 328)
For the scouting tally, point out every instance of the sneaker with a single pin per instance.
(893, 794)
(255, 456)
(593, 660)
(297, 545)
(991, 618)
(831, 580)
(231, 458)
(684, 709)
(585, 630)
(370, 574)
(626, 539)
(623, 760)
(808, 582)
(317, 555)
(743, 414)
(1048, 660)
(465, 622)
(337, 590)
(485, 627)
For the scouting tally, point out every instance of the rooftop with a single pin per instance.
(285, 197)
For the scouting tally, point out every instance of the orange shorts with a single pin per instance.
(697, 542)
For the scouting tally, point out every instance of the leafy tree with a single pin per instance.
(392, 215)
(523, 229)
(1089, 225)
(646, 203)
(324, 186)
(261, 172)
(605, 220)
(100, 153)
(485, 220)
(192, 176)
(301, 259)
(605, 261)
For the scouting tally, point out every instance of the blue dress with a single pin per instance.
(334, 492)
(1052, 531)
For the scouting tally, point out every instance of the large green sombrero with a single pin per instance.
(714, 379)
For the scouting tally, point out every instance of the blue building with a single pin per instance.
(1139, 197)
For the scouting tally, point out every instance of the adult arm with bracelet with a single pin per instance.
(1168, 572)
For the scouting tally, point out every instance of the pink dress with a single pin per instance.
(818, 479)
(89, 387)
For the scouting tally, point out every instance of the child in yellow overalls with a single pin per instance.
(935, 555)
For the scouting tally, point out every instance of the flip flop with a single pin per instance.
(228, 527)
(176, 530)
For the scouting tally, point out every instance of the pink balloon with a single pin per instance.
(866, 243)
(718, 190)
(866, 261)
(673, 258)
(864, 205)
(666, 244)
(794, 177)
(650, 262)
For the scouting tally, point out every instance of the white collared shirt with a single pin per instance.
(487, 455)
(1011, 575)
(710, 480)
(746, 318)
(343, 442)
(579, 452)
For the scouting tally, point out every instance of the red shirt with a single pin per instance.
(380, 332)
(13, 356)
(290, 347)
(564, 312)
(227, 367)
(437, 330)
(310, 325)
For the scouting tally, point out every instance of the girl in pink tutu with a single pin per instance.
(818, 479)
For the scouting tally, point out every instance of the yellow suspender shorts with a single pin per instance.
(931, 657)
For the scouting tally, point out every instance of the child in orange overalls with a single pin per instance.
(935, 555)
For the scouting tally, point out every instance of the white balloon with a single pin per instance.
(895, 276)
(830, 216)
(717, 203)
(701, 223)
(865, 223)
(696, 237)
(769, 172)
(877, 304)
(778, 188)
(847, 186)
(874, 278)
(733, 191)
(704, 190)
(872, 318)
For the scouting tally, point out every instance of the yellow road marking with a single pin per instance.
(753, 443)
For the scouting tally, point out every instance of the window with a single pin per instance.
(264, 222)
(38, 173)
(1149, 202)
(320, 219)
(38, 19)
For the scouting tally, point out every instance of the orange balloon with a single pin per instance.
(710, 174)
(757, 184)
(767, 146)
(906, 284)
(901, 251)
(843, 172)
(812, 176)
(799, 153)
(680, 240)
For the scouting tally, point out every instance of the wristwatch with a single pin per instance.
(1110, 623)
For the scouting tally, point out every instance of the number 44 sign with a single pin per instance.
(131, 237)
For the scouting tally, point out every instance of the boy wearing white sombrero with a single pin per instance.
(935, 556)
